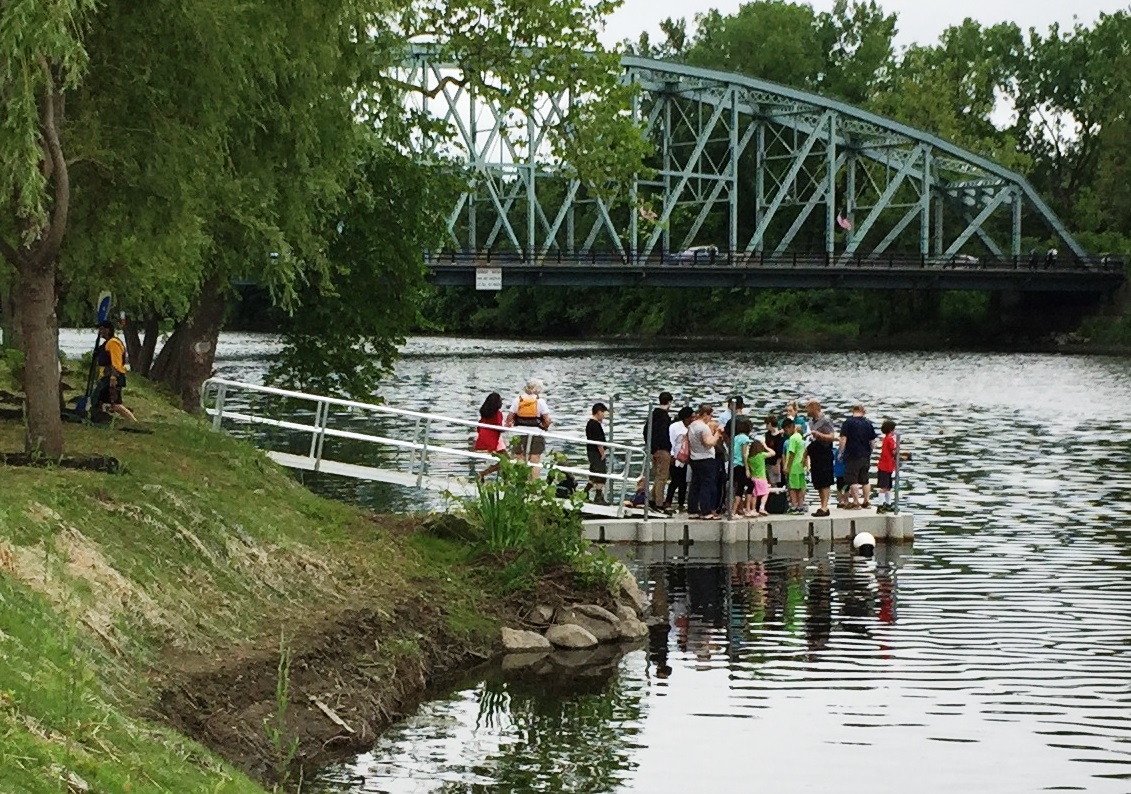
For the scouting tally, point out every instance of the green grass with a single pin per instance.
(202, 544)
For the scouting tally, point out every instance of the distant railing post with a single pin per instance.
(623, 483)
(218, 419)
(321, 435)
(314, 430)
(647, 461)
(423, 454)
(415, 442)
(895, 478)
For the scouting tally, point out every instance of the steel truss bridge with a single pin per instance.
(750, 184)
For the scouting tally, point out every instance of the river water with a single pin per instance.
(992, 656)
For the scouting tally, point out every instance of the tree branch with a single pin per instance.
(9, 253)
(49, 246)
(445, 81)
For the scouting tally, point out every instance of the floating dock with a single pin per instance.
(840, 527)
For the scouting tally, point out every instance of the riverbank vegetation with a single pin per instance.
(171, 594)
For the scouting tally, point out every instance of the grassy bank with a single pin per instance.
(160, 597)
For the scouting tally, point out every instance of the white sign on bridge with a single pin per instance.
(489, 278)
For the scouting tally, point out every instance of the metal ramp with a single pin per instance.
(379, 443)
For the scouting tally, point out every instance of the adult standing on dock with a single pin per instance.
(661, 449)
(530, 412)
(677, 433)
(821, 454)
(857, 439)
(703, 436)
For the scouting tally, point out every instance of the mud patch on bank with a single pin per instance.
(351, 675)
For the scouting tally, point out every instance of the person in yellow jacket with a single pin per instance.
(111, 359)
(529, 411)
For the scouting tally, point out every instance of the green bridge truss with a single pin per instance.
(745, 172)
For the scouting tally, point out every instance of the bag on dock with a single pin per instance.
(778, 501)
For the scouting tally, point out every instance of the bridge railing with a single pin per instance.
(710, 257)
(423, 445)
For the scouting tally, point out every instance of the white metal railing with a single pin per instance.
(220, 399)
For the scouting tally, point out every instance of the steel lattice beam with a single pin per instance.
(740, 164)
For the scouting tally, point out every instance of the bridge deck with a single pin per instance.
(797, 273)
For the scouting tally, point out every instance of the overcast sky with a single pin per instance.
(920, 21)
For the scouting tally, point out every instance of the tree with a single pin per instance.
(511, 54)
(344, 336)
(1072, 85)
(41, 57)
(859, 41)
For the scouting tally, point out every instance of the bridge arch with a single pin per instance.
(745, 172)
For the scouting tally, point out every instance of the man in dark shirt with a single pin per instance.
(598, 464)
(661, 449)
(857, 437)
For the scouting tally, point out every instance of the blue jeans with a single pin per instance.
(704, 488)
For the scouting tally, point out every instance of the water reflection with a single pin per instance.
(560, 725)
(576, 725)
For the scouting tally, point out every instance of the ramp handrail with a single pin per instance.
(216, 392)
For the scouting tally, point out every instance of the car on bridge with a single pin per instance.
(696, 255)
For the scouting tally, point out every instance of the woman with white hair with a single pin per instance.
(530, 411)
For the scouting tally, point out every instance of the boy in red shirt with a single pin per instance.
(886, 467)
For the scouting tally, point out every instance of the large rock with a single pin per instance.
(596, 612)
(625, 612)
(571, 636)
(629, 591)
(632, 629)
(604, 627)
(518, 641)
(542, 615)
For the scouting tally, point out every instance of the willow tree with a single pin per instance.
(41, 57)
(227, 142)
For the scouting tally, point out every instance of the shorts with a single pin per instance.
(741, 481)
(537, 445)
(883, 479)
(797, 481)
(110, 393)
(773, 474)
(598, 466)
(821, 466)
(761, 487)
(856, 471)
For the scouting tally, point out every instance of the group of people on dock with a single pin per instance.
(697, 456)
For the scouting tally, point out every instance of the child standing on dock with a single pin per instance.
(795, 466)
(886, 467)
(759, 454)
(740, 465)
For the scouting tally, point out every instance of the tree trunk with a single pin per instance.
(40, 332)
(185, 361)
(141, 351)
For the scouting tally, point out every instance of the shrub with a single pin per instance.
(521, 519)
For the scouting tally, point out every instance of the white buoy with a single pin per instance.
(864, 544)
